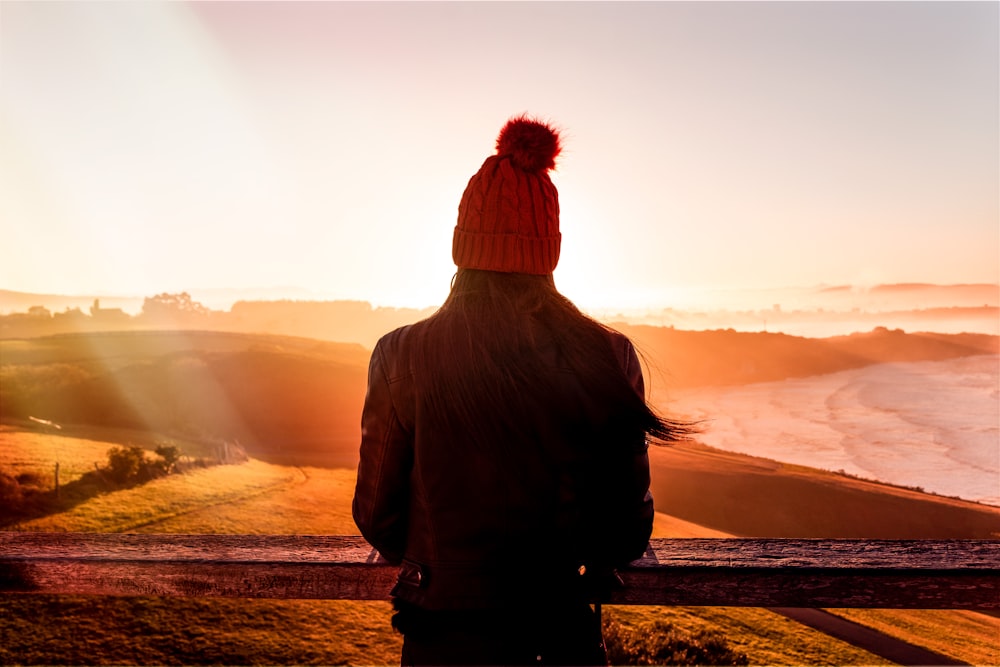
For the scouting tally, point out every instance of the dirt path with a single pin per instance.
(873, 641)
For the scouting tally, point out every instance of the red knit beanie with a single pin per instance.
(508, 219)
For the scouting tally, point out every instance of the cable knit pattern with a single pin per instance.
(508, 218)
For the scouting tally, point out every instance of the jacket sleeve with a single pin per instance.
(634, 502)
(381, 496)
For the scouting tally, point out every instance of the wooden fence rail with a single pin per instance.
(886, 574)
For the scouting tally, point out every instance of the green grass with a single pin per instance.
(964, 635)
(252, 498)
(76, 450)
(37, 453)
(262, 498)
(168, 498)
(314, 501)
(765, 637)
(75, 630)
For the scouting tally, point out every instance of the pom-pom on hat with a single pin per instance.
(508, 219)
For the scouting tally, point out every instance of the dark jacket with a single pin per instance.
(473, 530)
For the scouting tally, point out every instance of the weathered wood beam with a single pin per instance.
(918, 574)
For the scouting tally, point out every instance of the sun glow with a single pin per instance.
(150, 147)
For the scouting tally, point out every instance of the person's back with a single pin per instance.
(503, 456)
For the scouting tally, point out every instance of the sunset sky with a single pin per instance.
(151, 147)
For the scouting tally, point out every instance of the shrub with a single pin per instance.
(10, 489)
(659, 643)
(170, 455)
(124, 463)
(32, 479)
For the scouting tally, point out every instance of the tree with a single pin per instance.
(170, 455)
(40, 312)
(124, 463)
(172, 306)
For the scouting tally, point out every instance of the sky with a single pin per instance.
(166, 146)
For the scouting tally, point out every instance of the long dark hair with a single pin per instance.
(486, 367)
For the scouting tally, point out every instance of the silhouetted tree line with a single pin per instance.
(344, 321)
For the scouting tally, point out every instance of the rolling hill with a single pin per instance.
(298, 400)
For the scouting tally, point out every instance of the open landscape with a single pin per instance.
(258, 497)
(292, 405)
(211, 211)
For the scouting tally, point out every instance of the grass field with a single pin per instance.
(37, 453)
(963, 635)
(168, 631)
(258, 497)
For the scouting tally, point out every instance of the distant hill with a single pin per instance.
(726, 357)
(985, 292)
(344, 321)
(18, 302)
(298, 400)
(283, 398)
(817, 312)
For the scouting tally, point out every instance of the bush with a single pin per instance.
(124, 463)
(659, 643)
(170, 454)
(32, 479)
(129, 465)
(10, 490)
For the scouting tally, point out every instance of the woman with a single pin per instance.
(503, 452)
